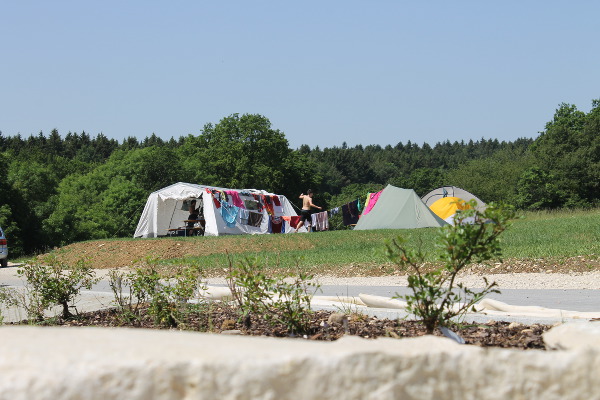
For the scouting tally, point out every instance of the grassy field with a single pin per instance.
(551, 236)
(554, 234)
(535, 235)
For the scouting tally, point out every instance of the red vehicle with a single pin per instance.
(3, 250)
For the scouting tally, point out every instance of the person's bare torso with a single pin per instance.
(306, 202)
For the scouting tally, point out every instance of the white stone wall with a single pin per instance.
(106, 364)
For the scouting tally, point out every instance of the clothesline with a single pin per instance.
(351, 211)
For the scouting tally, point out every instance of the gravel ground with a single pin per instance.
(579, 280)
(474, 278)
(576, 280)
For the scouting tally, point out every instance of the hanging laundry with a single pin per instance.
(229, 212)
(277, 207)
(268, 204)
(368, 200)
(218, 196)
(350, 213)
(322, 221)
(276, 224)
(216, 201)
(294, 221)
(235, 198)
(372, 201)
(334, 211)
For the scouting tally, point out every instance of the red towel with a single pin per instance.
(294, 221)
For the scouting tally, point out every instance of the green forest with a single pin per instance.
(57, 189)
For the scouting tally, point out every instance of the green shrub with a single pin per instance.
(166, 297)
(436, 296)
(57, 284)
(281, 299)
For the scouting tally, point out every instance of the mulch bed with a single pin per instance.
(225, 319)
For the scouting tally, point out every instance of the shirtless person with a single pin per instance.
(306, 205)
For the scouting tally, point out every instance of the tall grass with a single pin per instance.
(554, 234)
(535, 235)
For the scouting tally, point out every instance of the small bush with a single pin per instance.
(164, 299)
(46, 286)
(281, 299)
(436, 297)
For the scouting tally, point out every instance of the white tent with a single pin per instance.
(167, 209)
(399, 208)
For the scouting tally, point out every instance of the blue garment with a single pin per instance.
(229, 212)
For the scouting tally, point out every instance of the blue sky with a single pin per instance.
(323, 72)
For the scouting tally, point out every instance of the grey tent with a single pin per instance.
(449, 191)
(399, 209)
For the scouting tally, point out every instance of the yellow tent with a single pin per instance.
(446, 208)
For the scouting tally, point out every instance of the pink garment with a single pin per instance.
(235, 198)
(372, 202)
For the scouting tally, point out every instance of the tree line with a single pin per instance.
(56, 190)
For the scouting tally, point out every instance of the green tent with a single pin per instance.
(399, 209)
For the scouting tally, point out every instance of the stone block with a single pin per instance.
(102, 363)
(573, 336)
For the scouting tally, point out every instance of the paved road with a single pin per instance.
(574, 300)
